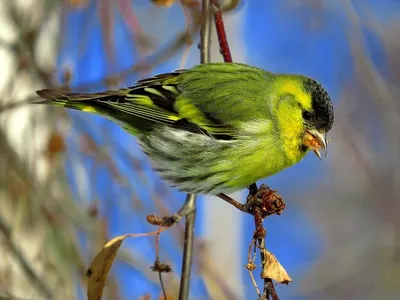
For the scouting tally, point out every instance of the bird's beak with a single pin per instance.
(317, 142)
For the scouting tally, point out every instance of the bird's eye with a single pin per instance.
(306, 115)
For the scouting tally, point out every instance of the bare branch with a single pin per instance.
(188, 248)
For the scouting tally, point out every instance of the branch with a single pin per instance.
(187, 210)
(260, 202)
(269, 287)
(169, 221)
(205, 33)
(191, 198)
(160, 267)
(184, 286)
(220, 27)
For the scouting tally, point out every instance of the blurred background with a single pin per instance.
(71, 181)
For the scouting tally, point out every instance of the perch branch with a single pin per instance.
(269, 291)
(188, 248)
(191, 198)
(260, 202)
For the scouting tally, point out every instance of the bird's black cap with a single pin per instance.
(321, 104)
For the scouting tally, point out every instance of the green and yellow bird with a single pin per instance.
(218, 127)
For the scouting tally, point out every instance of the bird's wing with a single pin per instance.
(150, 101)
(211, 99)
(224, 93)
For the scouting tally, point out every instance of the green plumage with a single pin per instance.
(214, 128)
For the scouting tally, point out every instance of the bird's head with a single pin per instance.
(304, 113)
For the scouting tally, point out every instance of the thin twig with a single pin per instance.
(233, 202)
(205, 34)
(191, 198)
(188, 248)
(254, 283)
(269, 287)
(220, 27)
(157, 260)
(260, 233)
(251, 266)
(160, 267)
(162, 285)
(260, 203)
(170, 220)
(23, 262)
(259, 209)
(204, 261)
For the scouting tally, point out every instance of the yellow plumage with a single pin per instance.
(216, 128)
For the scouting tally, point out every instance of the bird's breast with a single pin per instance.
(199, 163)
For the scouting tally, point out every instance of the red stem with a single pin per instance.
(220, 27)
(260, 231)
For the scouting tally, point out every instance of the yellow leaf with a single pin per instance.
(98, 271)
(273, 269)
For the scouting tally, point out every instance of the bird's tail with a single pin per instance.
(148, 103)
(135, 118)
(77, 101)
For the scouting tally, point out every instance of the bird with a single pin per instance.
(216, 127)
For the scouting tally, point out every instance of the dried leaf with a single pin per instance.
(166, 3)
(101, 265)
(273, 269)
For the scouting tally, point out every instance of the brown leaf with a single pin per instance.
(273, 269)
(166, 3)
(101, 265)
